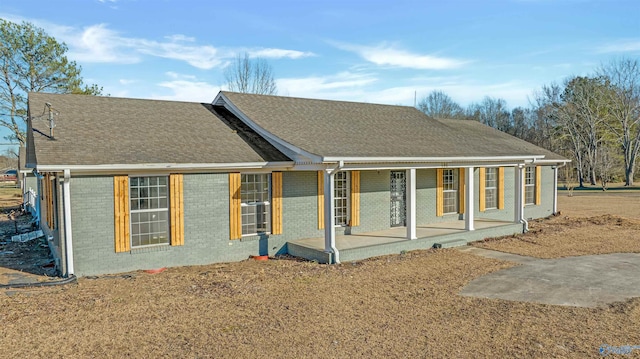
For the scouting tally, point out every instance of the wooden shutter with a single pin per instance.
(121, 213)
(355, 198)
(276, 203)
(439, 192)
(177, 209)
(461, 188)
(235, 209)
(500, 187)
(320, 199)
(482, 182)
(538, 182)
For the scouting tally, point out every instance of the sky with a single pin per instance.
(389, 52)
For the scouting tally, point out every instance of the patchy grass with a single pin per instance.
(404, 305)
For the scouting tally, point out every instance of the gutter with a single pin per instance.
(111, 168)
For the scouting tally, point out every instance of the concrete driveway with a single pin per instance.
(584, 281)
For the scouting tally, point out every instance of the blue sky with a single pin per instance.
(369, 51)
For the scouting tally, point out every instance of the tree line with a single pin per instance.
(593, 120)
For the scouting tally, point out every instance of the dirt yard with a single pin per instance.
(397, 306)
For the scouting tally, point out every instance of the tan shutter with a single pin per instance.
(276, 203)
(500, 187)
(320, 199)
(177, 209)
(439, 192)
(461, 187)
(538, 182)
(355, 198)
(121, 213)
(235, 209)
(482, 182)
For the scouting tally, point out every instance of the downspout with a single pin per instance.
(334, 249)
(38, 178)
(67, 223)
(520, 184)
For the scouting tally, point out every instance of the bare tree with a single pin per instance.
(439, 105)
(624, 110)
(249, 75)
(492, 112)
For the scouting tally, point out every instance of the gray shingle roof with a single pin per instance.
(349, 129)
(92, 130)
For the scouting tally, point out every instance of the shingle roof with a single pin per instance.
(92, 130)
(350, 129)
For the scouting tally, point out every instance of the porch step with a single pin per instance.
(448, 243)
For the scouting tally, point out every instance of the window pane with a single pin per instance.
(254, 194)
(149, 211)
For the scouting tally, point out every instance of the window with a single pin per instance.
(450, 189)
(530, 185)
(256, 205)
(149, 203)
(491, 188)
(341, 198)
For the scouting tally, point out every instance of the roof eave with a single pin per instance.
(164, 167)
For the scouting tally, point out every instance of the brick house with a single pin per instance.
(129, 184)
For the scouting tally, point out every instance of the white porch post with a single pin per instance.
(519, 195)
(329, 219)
(67, 222)
(469, 200)
(555, 189)
(411, 203)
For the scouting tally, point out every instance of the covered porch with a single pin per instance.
(394, 240)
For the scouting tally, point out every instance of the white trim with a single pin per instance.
(68, 240)
(182, 167)
(440, 160)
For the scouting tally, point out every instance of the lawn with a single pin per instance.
(397, 306)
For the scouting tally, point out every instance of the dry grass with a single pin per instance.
(398, 306)
(583, 228)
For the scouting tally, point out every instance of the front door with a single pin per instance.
(398, 196)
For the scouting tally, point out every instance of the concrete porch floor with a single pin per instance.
(398, 234)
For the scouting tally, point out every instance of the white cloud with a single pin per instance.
(100, 44)
(343, 85)
(187, 88)
(279, 53)
(620, 46)
(387, 55)
(126, 81)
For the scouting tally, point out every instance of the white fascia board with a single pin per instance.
(552, 162)
(285, 147)
(157, 167)
(532, 158)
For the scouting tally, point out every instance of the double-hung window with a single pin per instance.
(491, 188)
(341, 198)
(530, 185)
(149, 204)
(450, 190)
(256, 204)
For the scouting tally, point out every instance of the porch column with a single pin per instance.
(555, 189)
(518, 207)
(67, 222)
(411, 203)
(329, 219)
(468, 200)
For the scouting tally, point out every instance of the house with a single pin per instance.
(130, 184)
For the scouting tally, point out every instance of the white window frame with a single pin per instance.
(248, 204)
(136, 212)
(491, 191)
(342, 202)
(530, 185)
(450, 189)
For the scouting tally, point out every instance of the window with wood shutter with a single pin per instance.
(538, 185)
(121, 212)
(177, 209)
(461, 187)
(500, 187)
(439, 192)
(530, 179)
(481, 189)
(235, 210)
